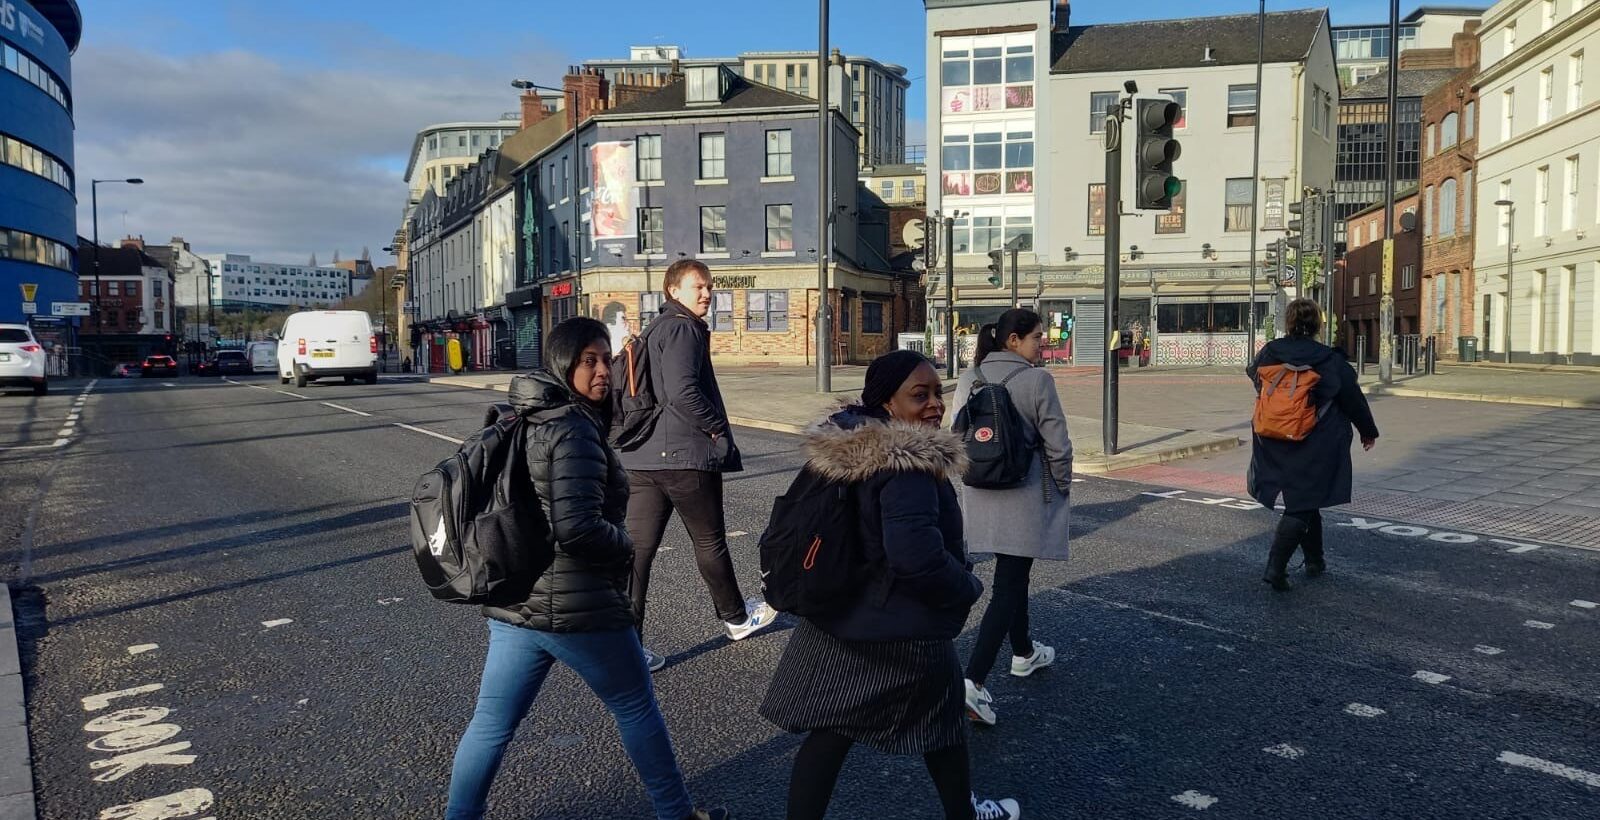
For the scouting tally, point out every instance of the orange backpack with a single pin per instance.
(1284, 408)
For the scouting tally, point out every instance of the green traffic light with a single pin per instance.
(994, 280)
(1174, 187)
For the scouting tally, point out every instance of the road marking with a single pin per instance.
(737, 533)
(387, 601)
(1195, 800)
(187, 803)
(287, 393)
(95, 703)
(1431, 677)
(69, 424)
(125, 764)
(60, 442)
(1519, 548)
(251, 386)
(1285, 751)
(346, 409)
(1363, 710)
(1550, 767)
(277, 622)
(168, 384)
(440, 436)
(141, 648)
(1484, 649)
(1581, 604)
(1538, 625)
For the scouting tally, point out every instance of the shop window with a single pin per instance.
(871, 317)
(722, 310)
(768, 310)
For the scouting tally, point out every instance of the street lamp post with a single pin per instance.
(94, 212)
(1511, 245)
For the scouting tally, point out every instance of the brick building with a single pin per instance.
(1360, 290)
(1448, 180)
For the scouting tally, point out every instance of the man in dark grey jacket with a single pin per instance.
(680, 466)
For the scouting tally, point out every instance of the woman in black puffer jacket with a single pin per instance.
(579, 612)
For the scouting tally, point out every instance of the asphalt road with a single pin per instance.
(230, 561)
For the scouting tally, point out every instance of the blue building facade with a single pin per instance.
(38, 203)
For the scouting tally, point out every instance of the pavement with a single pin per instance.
(220, 567)
(784, 399)
(1531, 386)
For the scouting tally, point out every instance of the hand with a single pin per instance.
(1368, 443)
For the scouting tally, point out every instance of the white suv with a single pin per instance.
(21, 359)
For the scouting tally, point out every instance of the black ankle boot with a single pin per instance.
(1311, 547)
(1284, 542)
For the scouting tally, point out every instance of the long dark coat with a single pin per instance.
(1316, 473)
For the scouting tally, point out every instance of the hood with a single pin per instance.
(853, 446)
(539, 391)
(1296, 350)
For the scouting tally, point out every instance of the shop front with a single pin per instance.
(525, 323)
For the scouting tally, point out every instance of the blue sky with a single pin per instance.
(280, 128)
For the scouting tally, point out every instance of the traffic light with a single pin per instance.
(996, 266)
(1272, 257)
(1297, 224)
(1154, 151)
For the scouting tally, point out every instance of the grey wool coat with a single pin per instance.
(1034, 520)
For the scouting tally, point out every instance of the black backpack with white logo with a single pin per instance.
(478, 532)
(811, 553)
(1000, 451)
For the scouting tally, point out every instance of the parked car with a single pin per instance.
(317, 344)
(22, 360)
(126, 370)
(232, 363)
(159, 365)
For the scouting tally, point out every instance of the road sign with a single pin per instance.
(69, 308)
(30, 308)
(29, 290)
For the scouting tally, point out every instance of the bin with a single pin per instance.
(1467, 348)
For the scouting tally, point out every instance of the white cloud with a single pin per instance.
(246, 153)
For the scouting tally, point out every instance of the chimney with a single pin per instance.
(590, 89)
(1063, 16)
(135, 242)
(533, 110)
(1466, 45)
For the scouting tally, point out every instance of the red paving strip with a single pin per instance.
(1229, 484)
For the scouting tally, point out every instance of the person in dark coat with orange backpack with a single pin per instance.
(1314, 472)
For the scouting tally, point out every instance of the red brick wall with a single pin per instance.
(1449, 258)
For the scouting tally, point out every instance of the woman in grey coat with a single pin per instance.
(1025, 523)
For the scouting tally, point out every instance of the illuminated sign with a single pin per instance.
(560, 290)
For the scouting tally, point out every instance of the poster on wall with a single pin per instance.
(613, 198)
(1097, 209)
(1272, 204)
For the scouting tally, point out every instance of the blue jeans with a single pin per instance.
(612, 664)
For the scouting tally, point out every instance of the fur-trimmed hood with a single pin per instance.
(852, 446)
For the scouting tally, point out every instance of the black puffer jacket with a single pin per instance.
(584, 493)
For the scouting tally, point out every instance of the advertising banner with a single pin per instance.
(613, 199)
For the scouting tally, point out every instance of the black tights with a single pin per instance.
(821, 756)
(1311, 541)
(1007, 615)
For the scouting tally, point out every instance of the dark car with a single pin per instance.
(159, 366)
(232, 362)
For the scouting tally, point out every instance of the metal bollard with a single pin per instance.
(1361, 354)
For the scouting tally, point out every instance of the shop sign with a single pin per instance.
(732, 282)
(561, 289)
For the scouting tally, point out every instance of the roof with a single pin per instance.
(1417, 82)
(1169, 44)
(742, 95)
(65, 16)
(1444, 11)
(117, 261)
(894, 170)
(526, 144)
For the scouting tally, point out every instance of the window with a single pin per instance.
(1447, 208)
(780, 153)
(1429, 203)
(1449, 130)
(113, 288)
(887, 189)
(1237, 201)
(1175, 220)
(1467, 203)
(713, 148)
(461, 141)
(871, 317)
(985, 233)
(1569, 208)
(649, 147)
(1547, 92)
(768, 310)
(1547, 18)
(1509, 39)
(1241, 106)
(908, 189)
(846, 315)
(566, 178)
(1575, 82)
(1181, 97)
(704, 85)
(649, 308)
(1355, 286)
(1541, 200)
(1099, 103)
(1508, 113)
(713, 229)
(652, 236)
(130, 318)
(1469, 120)
(1427, 140)
(956, 68)
(157, 284)
(1097, 209)
(1408, 277)
(1019, 64)
(780, 227)
(1019, 229)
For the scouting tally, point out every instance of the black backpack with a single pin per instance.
(999, 448)
(634, 408)
(811, 553)
(478, 532)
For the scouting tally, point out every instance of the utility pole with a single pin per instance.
(1113, 286)
(1328, 253)
(824, 204)
(1386, 301)
(950, 294)
(1016, 299)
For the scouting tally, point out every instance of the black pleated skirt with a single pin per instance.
(900, 697)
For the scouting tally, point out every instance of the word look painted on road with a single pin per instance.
(137, 737)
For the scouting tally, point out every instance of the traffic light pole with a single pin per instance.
(1113, 295)
(1326, 226)
(949, 297)
(1016, 299)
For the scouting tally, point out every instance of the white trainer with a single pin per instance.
(1042, 656)
(758, 616)
(1004, 809)
(980, 704)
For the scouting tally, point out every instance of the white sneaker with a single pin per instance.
(980, 707)
(653, 662)
(1005, 809)
(1042, 656)
(757, 617)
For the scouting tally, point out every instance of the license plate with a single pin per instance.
(322, 354)
(5, 357)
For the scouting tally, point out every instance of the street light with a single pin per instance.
(1511, 244)
(94, 211)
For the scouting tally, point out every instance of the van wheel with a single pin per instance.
(300, 378)
(282, 379)
(349, 379)
(371, 378)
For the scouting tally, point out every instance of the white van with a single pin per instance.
(319, 344)
(263, 357)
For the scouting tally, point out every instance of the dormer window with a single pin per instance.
(708, 85)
